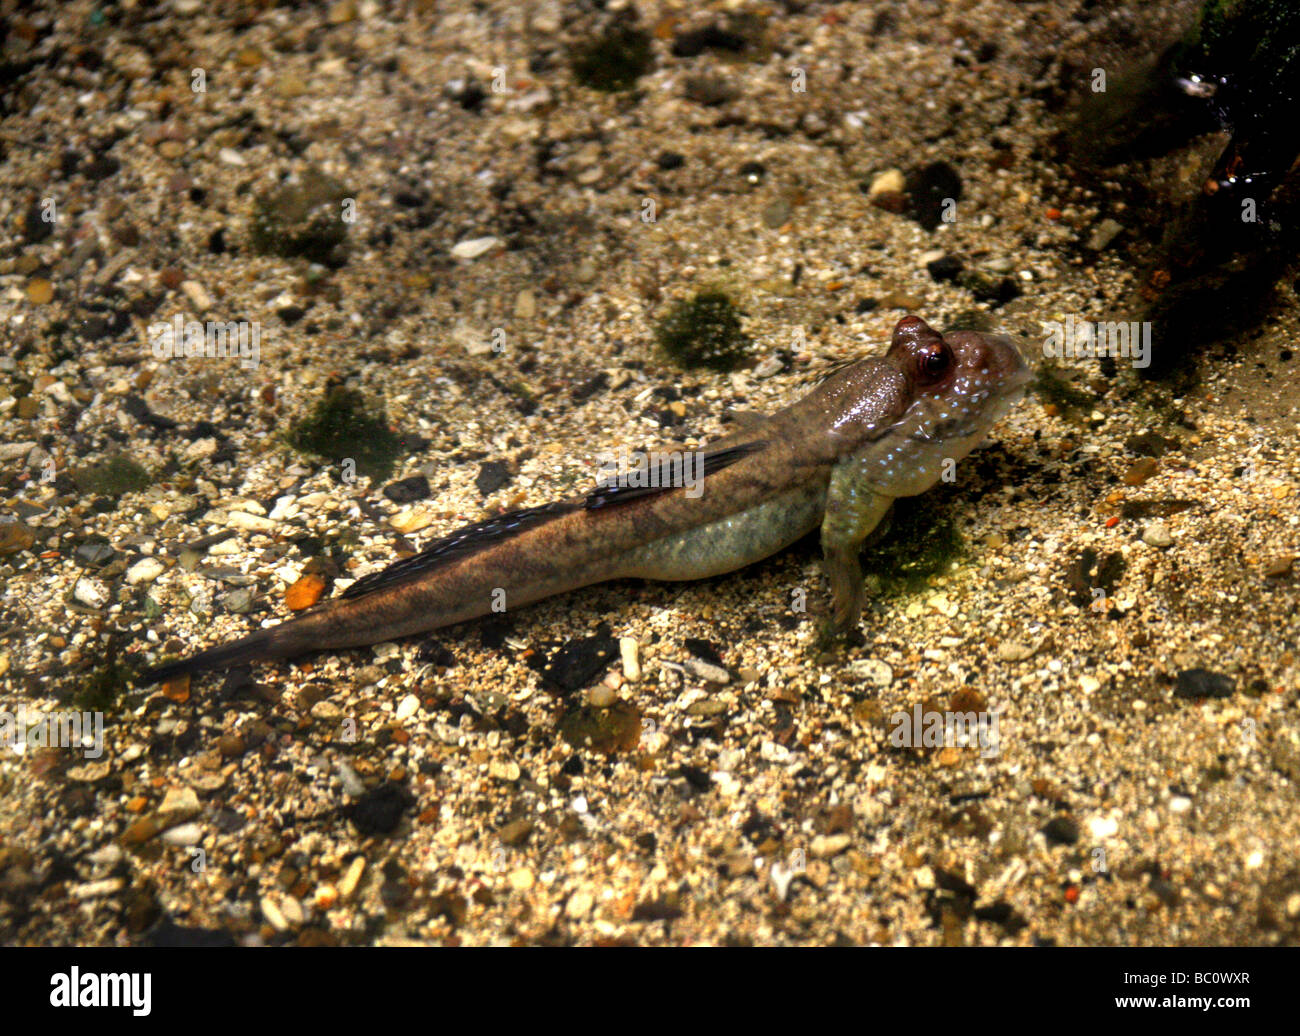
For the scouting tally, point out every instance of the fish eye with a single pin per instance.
(933, 364)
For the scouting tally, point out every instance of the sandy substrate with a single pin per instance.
(426, 791)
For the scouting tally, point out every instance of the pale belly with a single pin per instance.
(732, 542)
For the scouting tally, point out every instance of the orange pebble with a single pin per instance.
(305, 592)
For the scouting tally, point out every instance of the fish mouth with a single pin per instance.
(1002, 385)
(1010, 365)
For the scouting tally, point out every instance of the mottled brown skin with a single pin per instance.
(873, 430)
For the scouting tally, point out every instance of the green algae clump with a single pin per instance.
(921, 542)
(1050, 386)
(605, 730)
(705, 332)
(304, 219)
(344, 428)
(613, 61)
(112, 477)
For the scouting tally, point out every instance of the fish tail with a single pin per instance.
(283, 641)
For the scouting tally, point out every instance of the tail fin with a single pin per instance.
(256, 646)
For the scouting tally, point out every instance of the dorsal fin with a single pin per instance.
(460, 544)
(472, 538)
(669, 474)
(834, 367)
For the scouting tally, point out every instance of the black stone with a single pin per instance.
(578, 663)
(101, 167)
(36, 229)
(1061, 831)
(927, 189)
(703, 650)
(492, 475)
(170, 935)
(407, 490)
(379, 811)
(711, 37)
(433, 653)
(945, 268)
(1204, 683)
(590, 387)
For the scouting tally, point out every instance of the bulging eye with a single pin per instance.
(934, 363)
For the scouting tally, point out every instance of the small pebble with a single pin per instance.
(891, 181)
(184, 834)
(521, 879)
(474, 247)
(1157, 534)
(601, 697)
(90, 592)
(146, 570)
(707, 671)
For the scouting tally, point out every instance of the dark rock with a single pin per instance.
(1204, 683)
(1149, 444)
(169, 935)
(695, 777)
(704, 650)
(471, 97)
(945, 268)
(407, 490)
(664, 908)
(1061, 831)
(101, 167)
(492, 475)
(578, 663)
(229, 821)
(35, 229)
(379, 811)
(710, 37)
(991, 290)
(709, 90)
(434, 653)
(104, 325)
(590, 387)
(516, 832)
(95, 554)
(928, 190)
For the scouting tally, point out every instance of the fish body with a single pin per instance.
(873, 430)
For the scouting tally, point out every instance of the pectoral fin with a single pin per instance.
(853, 510)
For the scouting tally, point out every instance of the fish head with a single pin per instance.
(948, 391)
